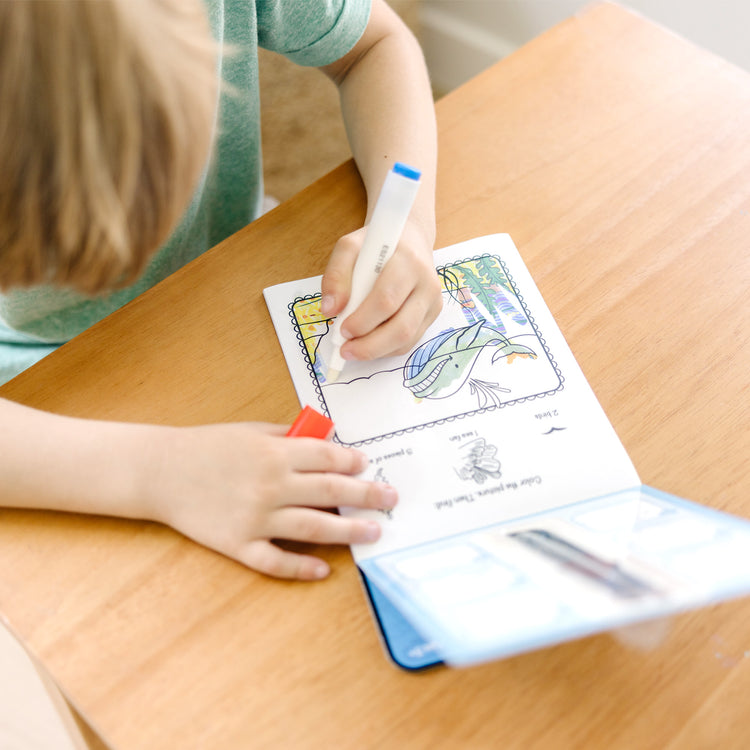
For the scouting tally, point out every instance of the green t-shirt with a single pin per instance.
(35, 321)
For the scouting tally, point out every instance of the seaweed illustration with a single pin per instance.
(483, 290)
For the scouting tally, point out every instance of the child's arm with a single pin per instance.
(231, 487)
(389, 114)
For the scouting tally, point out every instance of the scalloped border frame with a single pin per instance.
(444, 420)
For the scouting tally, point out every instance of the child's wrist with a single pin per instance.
(128, 484)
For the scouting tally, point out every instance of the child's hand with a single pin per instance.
(236, 487)
(406, 297)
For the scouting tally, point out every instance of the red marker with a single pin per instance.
(311, 423)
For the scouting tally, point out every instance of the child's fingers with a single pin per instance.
(336, 283)
(326, 490)
(397, 334)
(320, 527)
(394, 315)
(267, 558)
(390, 292)
(314, 455)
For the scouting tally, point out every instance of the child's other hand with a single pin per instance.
(237, 487)
(406, 297)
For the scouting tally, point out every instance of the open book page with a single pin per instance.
(521, 521)
(488, 418)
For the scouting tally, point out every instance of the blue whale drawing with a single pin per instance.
(442, 366)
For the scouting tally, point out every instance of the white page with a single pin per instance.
(508, 425)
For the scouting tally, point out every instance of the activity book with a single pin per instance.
(522, 521)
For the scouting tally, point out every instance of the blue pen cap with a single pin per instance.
(406, 171)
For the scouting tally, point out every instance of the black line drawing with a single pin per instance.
(478, 462)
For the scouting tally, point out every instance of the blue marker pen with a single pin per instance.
(381, 237)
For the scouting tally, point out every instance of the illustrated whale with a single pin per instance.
(442, 366)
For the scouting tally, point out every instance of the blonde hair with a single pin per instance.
(106, 115)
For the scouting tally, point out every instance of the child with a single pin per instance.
(122, 159)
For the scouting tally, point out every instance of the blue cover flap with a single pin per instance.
(589, 567)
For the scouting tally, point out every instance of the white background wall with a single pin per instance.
(462, 37)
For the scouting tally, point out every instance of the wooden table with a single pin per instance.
(617, 156)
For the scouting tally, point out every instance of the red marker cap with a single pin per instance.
(311, 423)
